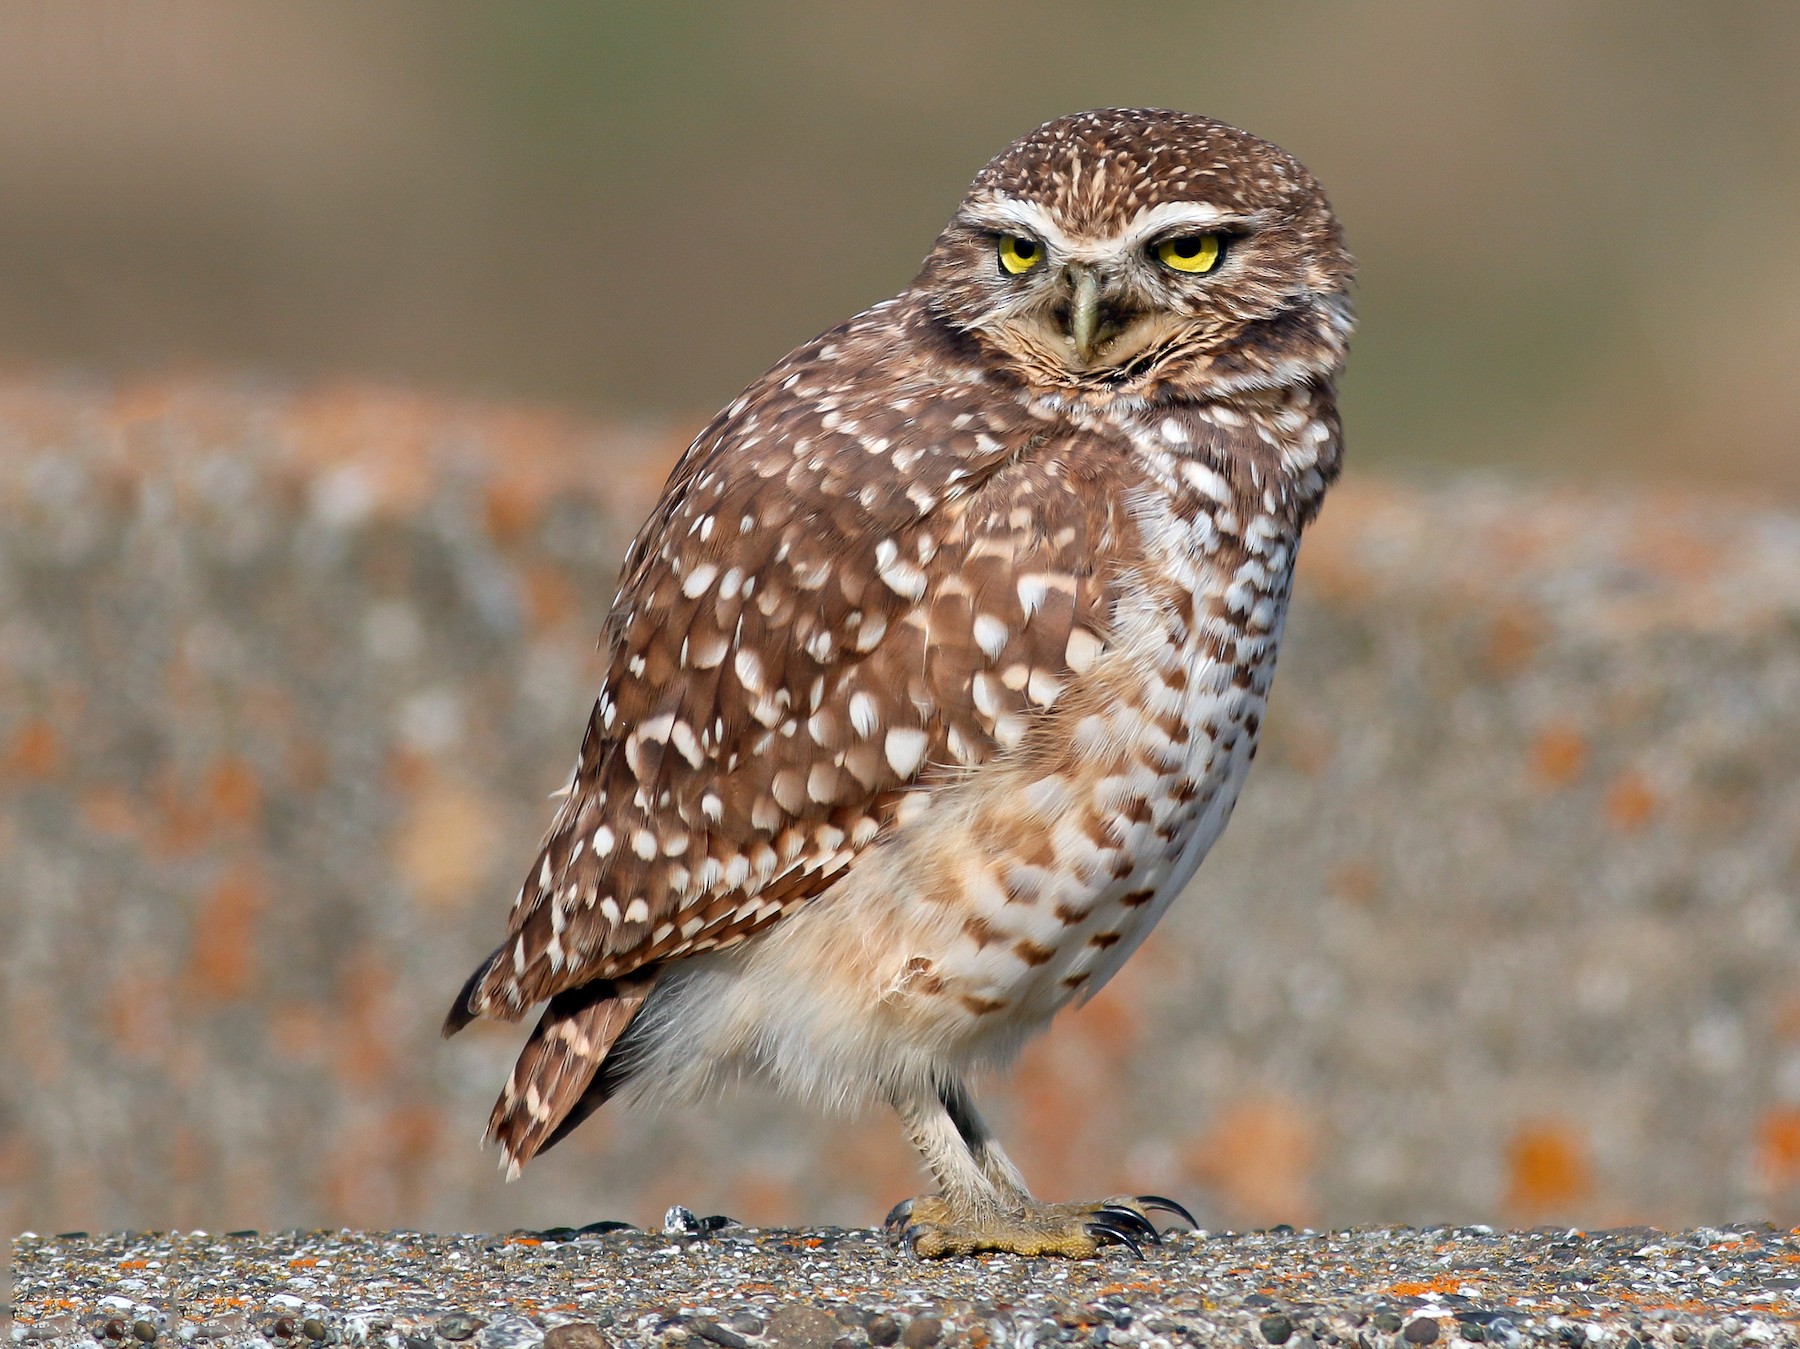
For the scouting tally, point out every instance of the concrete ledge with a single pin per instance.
(827, 1288)
(1505, 927)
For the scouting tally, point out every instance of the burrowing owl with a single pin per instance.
(938, 667)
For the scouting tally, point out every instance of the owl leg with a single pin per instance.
(983, 1205)
(974, 1176)
(980, 1142)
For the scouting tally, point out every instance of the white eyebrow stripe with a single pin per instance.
(1164, 215)
(1028, 218)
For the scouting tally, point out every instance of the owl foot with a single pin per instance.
(933, 1229)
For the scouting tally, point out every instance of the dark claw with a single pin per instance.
(602, 1228)
(910, 1237)
(1098, 1228)
(898, 1214)
(714, 1221)
(1157, 1202)
(1129, 1219)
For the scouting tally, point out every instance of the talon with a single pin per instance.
(1130, 1220)
(1157, 1202)
(1097, 1228)
(911, 1236)
(600, 1229)
(898, 1214)
(713, 1222)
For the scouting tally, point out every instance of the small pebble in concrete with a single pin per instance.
(883, 1330)
(1276, 1329)
(577, 1335)
(796, 1327)
(1422, 1330)
(512, 1332)
(718, 1334)
(922, 1332)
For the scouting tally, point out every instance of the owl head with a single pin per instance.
(1145, 252)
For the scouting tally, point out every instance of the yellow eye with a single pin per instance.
(1192, 253)
(1019, 254)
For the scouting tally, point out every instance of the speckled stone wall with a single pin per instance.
(1506, 928)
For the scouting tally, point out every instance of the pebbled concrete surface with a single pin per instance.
(1389, 1288)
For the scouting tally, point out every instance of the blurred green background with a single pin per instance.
(1577, 223)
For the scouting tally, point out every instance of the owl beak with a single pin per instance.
(1084, 311)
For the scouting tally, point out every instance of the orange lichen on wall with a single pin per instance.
(232, 795)
(1259, 1156)
(1087, 1053)
(761, 1200)
(183, 822)
(1513, 639)
(1778, 1146)
(509, 512)
(1558, 756)
(110, 811)
(365, 1039)
(35, 753)
(1547, 1170)
(1668, 544)
(1355, 881)
(1629, 802)
(869, 1158)
(300, 1033)
(411, 1138)
(393, 446)
(1329, 564)
(1784, 1016)
(222, 957)
(550, 598)
(139, 1015)
(445, 842)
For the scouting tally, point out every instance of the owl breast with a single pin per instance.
(1070, 857)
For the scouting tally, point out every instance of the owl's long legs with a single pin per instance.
(980, 1142)
(983, 1205)
(974, 1176)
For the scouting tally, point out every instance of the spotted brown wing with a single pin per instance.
(840, 599)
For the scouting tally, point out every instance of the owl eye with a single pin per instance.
(1191, 253)
(1019, 254)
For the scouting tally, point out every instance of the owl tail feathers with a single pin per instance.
(556, 1068)
(462, 1011)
